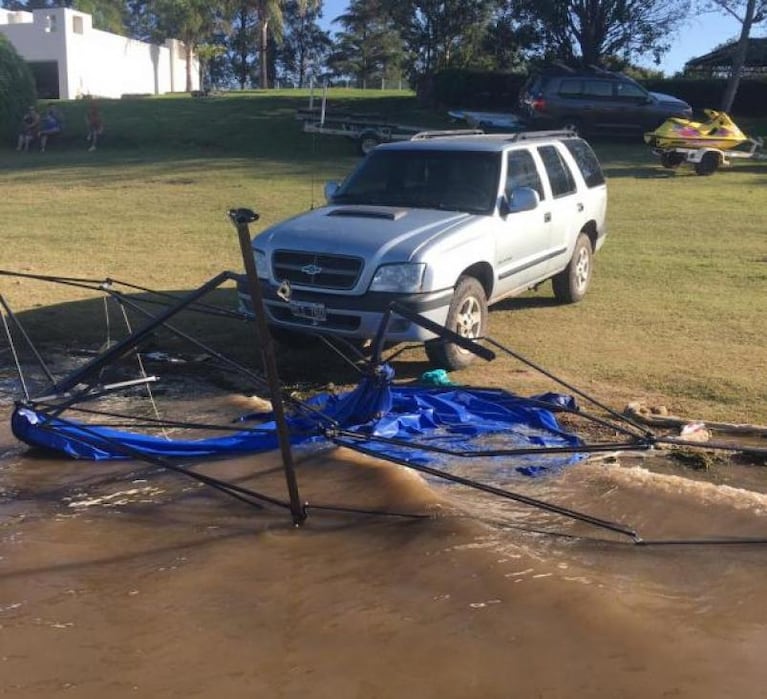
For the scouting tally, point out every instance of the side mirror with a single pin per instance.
(520, 199)
(330, 190)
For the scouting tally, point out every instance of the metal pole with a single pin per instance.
(241, 218)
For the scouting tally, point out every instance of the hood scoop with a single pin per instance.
(368, 212)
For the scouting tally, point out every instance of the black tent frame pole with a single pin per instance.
(241, 218)
(27, 339)
(127, 344)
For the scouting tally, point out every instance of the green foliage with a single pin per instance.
(441, 35)
(477, 89)
(587, 32)
(369, 48)
(17, 89)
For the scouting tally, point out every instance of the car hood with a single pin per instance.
(386, 233)
(670, 100)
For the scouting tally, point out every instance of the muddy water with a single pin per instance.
(121, 580)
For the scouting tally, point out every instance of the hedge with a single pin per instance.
(17, 90)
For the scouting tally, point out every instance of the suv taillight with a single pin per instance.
(538, 104)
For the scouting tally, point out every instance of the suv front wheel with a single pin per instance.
(467, 316)
(571, 284)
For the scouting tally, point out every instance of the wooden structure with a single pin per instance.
(718, 63)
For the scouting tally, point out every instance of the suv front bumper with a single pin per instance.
(354, 317)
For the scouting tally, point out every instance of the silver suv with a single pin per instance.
(447, 225)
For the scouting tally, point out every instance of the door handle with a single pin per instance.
(580, 207)
(547, 217)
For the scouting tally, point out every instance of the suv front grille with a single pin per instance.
(322, 271)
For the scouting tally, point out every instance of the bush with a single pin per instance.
(474, 89)
(17, 89)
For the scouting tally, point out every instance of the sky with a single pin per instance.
(698, 36)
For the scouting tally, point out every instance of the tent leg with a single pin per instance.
(241, 218)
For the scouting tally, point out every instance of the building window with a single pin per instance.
(77, 24)
(50, 23)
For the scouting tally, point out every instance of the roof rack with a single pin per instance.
(533, 135)
(425, 135)
(599, 70)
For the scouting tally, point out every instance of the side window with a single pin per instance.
(571, 88)
(626, 90)
(598, 88)
(560, 177)
(586, 161)
(521, 172)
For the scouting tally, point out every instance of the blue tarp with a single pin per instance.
(456, 418)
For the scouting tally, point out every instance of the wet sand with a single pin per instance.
(119, 580)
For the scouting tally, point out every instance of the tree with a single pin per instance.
(269, 19)
(188, 20)
(588, 31)
(107, 14)
(17, 88)
(305, 45)
(242, 39)
(368, 47)
(507, 43)
(441, 34)
(748, 13)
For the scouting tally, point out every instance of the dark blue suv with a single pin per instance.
(595, 100)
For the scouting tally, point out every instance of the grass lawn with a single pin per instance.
(675, 315)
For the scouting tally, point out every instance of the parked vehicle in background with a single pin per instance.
(443, 224)
(595, 100)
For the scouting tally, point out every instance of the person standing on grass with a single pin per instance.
(95, 124)
(50, 125)
(30, 125)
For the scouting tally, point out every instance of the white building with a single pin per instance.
(71, 59)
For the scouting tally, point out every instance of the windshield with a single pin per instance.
(452, 180)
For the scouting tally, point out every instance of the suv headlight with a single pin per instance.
(262, 267)
(405, 278)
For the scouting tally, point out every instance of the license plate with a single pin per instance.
(310, 311)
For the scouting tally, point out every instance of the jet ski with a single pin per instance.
(719, 131)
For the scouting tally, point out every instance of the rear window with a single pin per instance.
(587, 162)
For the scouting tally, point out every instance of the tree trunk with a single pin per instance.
(262, 57)
(188, 54)
(739, 59)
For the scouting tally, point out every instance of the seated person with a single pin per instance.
(30, 126)
(50, 125)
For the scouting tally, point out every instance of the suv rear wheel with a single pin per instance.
(572, 124)
(467, 316)
(571, 284)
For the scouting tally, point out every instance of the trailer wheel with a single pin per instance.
(368, 140)
(708, 163)
(670, 159)
(467, 316)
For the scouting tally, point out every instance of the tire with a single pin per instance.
(708, 164)
(572, 124)
(671, 160)
(466, 316)
(367, 142)
(572, 283)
